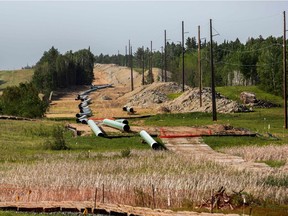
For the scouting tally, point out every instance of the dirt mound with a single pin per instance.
(189, 101)
(156, 96)
(152, 95)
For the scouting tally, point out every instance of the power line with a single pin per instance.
(241, 65)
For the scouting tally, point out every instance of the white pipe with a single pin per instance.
(149, 139)
(84, 113)
(123, 121)
(118, 125)
(95, 128)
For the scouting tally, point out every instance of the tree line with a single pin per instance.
(257, 62)
(52, 71)
(55, 70)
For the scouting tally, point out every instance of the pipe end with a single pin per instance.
(126, 128)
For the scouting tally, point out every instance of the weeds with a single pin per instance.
(57, 142)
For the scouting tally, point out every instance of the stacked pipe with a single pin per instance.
(85, 111)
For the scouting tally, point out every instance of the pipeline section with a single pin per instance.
(95, 128)
(117, 125)
(148, 139)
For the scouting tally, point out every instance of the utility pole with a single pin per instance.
(131, 64)
(214, 113)
(151, 74)
(199, 66)
(143, 65)
(126, 56)
(183, 53)
(165, 56)
(284, 72)
(162, 78)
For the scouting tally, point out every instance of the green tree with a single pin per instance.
(23, 100)
(270, 67)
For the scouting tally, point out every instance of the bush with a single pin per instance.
(57, 142)
(22, 100)
(125, 153)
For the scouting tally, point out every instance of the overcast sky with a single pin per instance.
(27, 29)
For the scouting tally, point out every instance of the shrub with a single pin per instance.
(57, 142)
(126, 153)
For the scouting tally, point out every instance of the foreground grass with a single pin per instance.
(94, 161)
(24, 141)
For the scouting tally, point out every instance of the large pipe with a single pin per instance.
(85, 103)
(149, 139)
(82, 117)
(85, 109)
(118, 125)
(95, 128)
(85, 113)
(100, 86)
(82, 120)
(128, 109)
(84, 97)
(123, 121)
(88, 100)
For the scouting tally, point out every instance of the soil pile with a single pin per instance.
(156, 96)
(152, 95)
(189, 101)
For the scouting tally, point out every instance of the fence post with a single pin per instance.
(153, 196)
(103, 193)
(95, 197)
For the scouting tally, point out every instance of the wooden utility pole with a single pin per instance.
(284, 72)
(129, 59)
(151, 65)
(143, 66)
(162, 75)
(214, 113)
(183, 53)
(199, 66)
(126, 61)
(131, 66)
(165, 56)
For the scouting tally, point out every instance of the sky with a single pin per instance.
(29, 28)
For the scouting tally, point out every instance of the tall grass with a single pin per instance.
(129, 180)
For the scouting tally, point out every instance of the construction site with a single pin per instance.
(104, 110)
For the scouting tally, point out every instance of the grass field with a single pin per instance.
(128, 167)
(233, 93)
(13, 78)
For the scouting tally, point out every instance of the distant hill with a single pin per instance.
(12, 78)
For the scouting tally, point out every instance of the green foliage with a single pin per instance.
(277, 181)
(57, 142)
(233, 93)
(125, 153)
(22, 100)
(259, 61)
(173, 96)
(55, 70)
(274, 163)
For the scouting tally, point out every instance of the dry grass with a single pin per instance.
(129, 180)
(256, 153)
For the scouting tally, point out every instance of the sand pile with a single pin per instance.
(156, 96)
